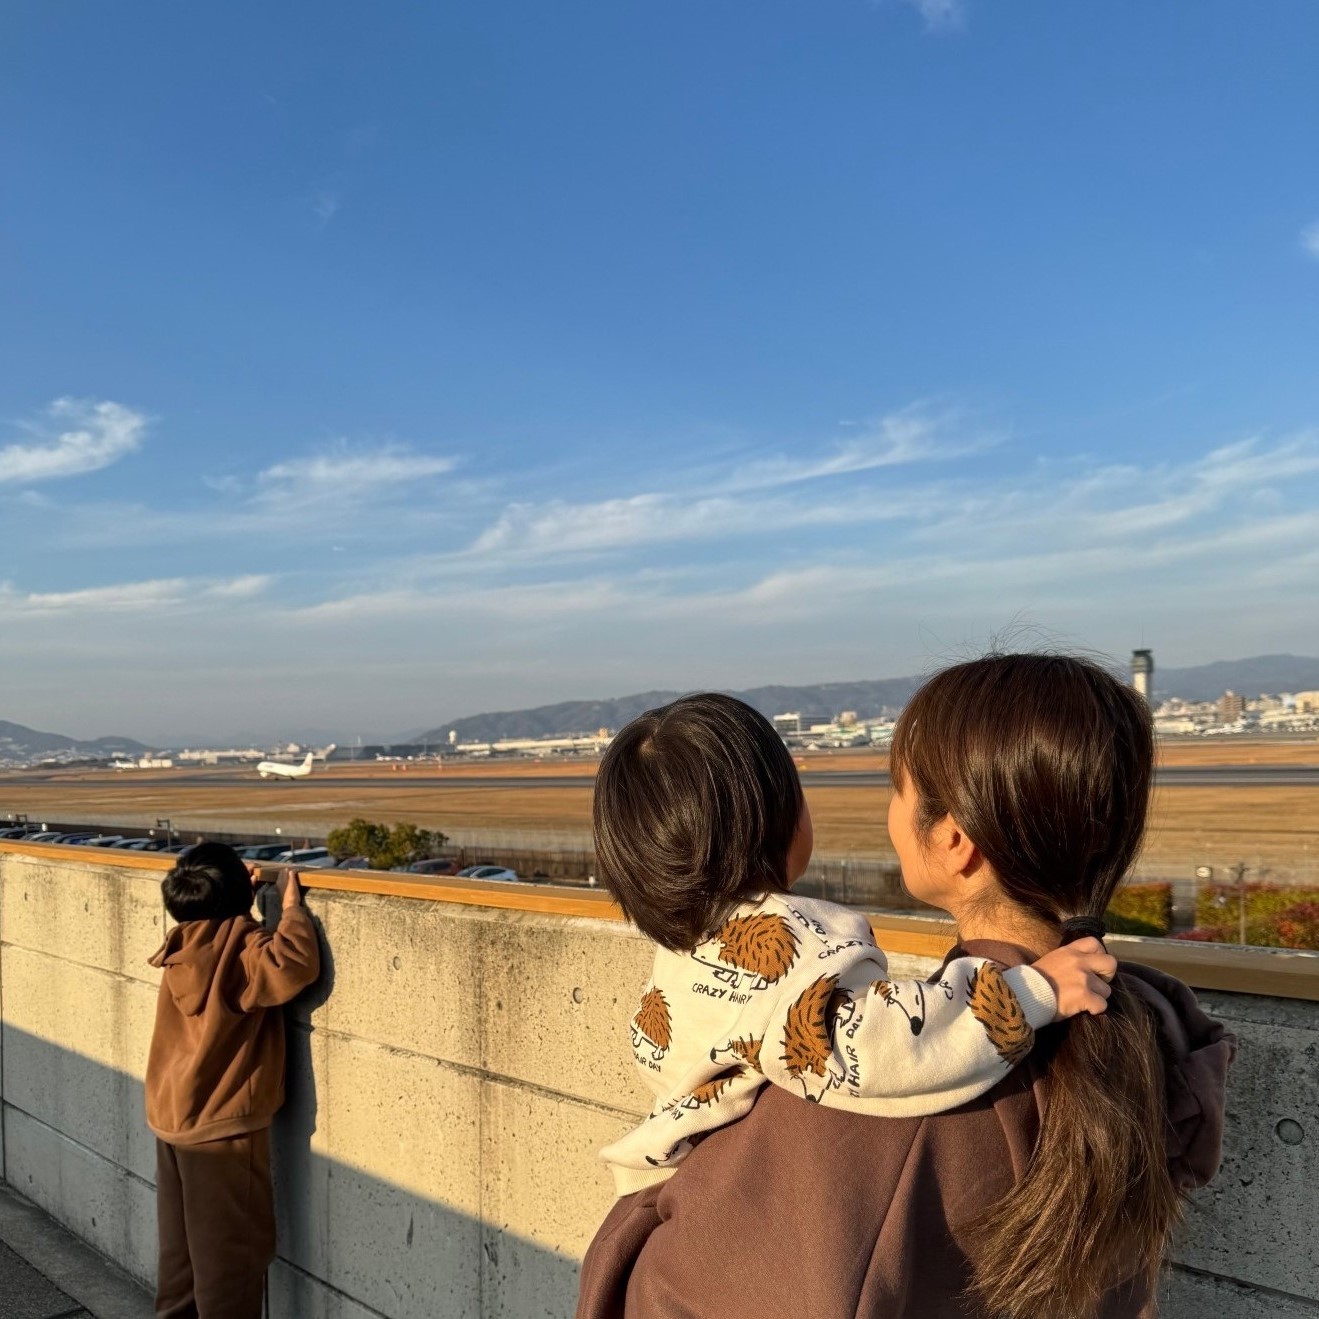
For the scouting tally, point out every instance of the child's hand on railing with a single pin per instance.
(1079, 973)
(292, 896)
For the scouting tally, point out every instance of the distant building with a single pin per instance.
(788, 723)
(1230, 707)
(1307, 702)
(1142, 673)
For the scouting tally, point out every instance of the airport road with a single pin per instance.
(1170, 776)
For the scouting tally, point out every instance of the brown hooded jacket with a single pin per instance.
(216, 1067)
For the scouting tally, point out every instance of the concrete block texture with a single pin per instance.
(106, 1205)
(75, 1044)
(295, 1295)
(380, 1195)
(95, 914)
(1200, 1296)
(544, 1193)
(1256, 1221)
(399, 973)
(557, 997)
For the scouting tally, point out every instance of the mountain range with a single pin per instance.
(19, 744)
(869, 697)
(1262, 673)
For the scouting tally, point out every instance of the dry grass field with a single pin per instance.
(1274, 830)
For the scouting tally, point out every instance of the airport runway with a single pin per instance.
(1172, 776)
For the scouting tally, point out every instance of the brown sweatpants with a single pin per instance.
(216, 1217)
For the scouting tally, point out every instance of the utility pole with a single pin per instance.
(1240, 871)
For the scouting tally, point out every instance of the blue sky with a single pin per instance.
(369, 365)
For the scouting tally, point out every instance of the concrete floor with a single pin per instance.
(46, 1273)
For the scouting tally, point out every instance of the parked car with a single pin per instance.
(72, 840)
(46, 836)
(140, 845)
(436, 865)
(353, 863)
(103, 840)
(309, 858)
(263, 851)
(19, 832)
(488, 872)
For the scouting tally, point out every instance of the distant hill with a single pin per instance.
(1263, 673)
(20, 744)
(821, 699)
(1250, 677)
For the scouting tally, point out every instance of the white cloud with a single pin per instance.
(344, 471)
(940, 15)
(1310, 239)
(130, 597)
(81, 436)
(911, 435)
(241, 588)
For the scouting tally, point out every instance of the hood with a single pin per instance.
(1197, 1053)
(190, 957)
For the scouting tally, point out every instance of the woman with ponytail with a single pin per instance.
(1021, 787)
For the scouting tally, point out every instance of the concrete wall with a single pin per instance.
(449, 1083)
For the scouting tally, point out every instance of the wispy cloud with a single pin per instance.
(941, 15)
(1310, 240)
(345, 470)
(326, 205)
(79, 436)
(915, 434)
(131, 597)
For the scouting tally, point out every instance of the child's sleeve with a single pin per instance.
(281, 964)
(850, 1037)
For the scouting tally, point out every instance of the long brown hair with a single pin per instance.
(1046, 763)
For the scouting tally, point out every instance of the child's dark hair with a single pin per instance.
(696, 806)
(210, 882)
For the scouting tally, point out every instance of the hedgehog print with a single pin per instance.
(996, 1008)
(808, 1051)
(707, 1094)
(888, 991)
(745, 1050)
(652, 1025)
(758, 949)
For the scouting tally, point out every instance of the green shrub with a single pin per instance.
(383, 847)
(1141, 909)
(1217, 904)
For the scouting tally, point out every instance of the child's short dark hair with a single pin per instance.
(696, 806)
(210, 882)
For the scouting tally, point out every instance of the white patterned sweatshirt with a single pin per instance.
(794, 992)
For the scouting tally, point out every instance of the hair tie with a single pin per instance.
(1083, 927)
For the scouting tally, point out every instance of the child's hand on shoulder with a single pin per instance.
(1079, 974)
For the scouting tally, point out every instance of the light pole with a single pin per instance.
(168, 827)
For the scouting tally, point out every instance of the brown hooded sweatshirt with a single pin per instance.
(803, 1209)
(216, 1067)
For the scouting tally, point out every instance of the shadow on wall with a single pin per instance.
(352, 1243)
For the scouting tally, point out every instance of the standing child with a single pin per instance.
(701, 830)
(215, 1079)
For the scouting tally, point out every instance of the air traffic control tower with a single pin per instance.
(1142, 673)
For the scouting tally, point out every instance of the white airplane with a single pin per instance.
(277, 769)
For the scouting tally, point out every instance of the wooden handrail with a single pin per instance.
(1273, 972)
